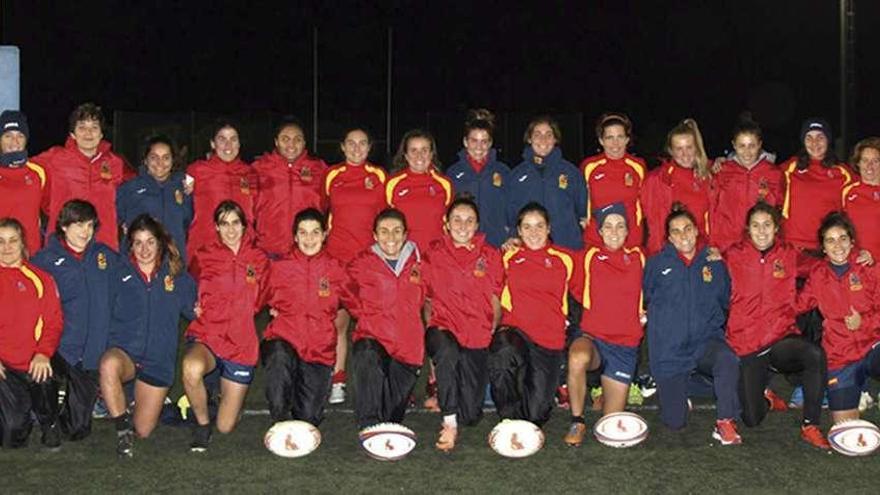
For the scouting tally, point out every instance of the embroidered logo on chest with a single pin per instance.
(305, 174)
(628, 180)
(169, 283)
(102, 261)
(368, 183)
(178, 196)
(480, 267)
(251, 274)
(496, 179)
(106, 173)
(855, 283)
(707, 274)
(563, 181)
(415, 275)
(324, 287)
(778, 269)
(244, 186)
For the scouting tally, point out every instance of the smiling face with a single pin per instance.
(816, 144)
(534, 230)
(477, 143)
(613, 231)
(145, 247)
(12, 141)
(231, 230)
(391, 236)
(77, 235)
(87, 134)
(683, 235)
(419, 154)
(762, 230)
(290, 142)
(747, 147)
(614, 141)
(226, 144)
(837, 245)
(309, 237)
(869, 166)
(11, 247)
(542, 139)
(159, 162)
(462, 225)
(356, 147)
(683, 150)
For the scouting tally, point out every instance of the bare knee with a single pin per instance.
(579, 356)
(226, 426)
(193, 371)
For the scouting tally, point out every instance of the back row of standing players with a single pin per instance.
(278, 185)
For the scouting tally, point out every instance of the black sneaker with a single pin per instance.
(125, 443)
(201, 437)
(51, 437)
(646, 385)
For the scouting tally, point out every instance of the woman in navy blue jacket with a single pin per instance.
(150, 291)
(81, 267)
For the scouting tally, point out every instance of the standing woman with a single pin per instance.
(82, 267)
(355, 191)
(861, 199)
(29, 334)
(419, 190)
(464, 276)
(685, 178)
(150, 291)
(385, 292)
(614, 176)
(480, 175)
(527, 350)
(231, 275)
(223, 176)
(743, 180)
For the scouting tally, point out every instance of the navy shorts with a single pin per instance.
(150, 372)
(230, 370)
(845, 384)
(618, 361)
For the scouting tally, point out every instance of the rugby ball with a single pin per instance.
(620, 430)
(387, 441)
(854, 437)
(516, 438)
(292, 439)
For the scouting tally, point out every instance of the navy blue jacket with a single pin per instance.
(146, 316)
(85, 298)
(556, 184)
(687, 308)
(487, 189)
(164, 201)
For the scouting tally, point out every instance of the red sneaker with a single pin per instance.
(725, 432)
(562, 397)
(814, 436)
(775, 401)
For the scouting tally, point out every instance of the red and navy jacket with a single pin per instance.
(24, 191)
(355, 194)
(32, 320)
(836, 297)
(164, 201)
(216, 181)
(665, 185)
(809, 195)
(83, 281)
(486, 187)
(535, 294)
(687, 307)
(423, 199)
(305, 291)
(612, 294)
(461, 283)
(557, 185)
(736, 190)
(388, 303)
(862, 203)
(73, 175)
(612, 181)
(146, 315)
(284, 188)
(231, 291)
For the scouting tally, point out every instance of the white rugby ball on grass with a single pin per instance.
(854, 437)
(620, 429)
(292, 439)
(387, 441)
(516, 438)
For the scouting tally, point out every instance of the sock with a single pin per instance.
(339, 377)
(123, 423)
(578, 419)
(450, 420)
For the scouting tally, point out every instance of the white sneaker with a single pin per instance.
(865, 402)
(337, 393)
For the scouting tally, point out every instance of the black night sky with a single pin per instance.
(659, 61)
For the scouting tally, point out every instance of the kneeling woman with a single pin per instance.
(612, 301)
(464, 277)
(848, 295)
(300, 343)
(231, 275)
(149, 292)
(385, 293)
(528, 349)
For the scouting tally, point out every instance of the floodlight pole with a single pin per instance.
(388, 92)
(847, 70)
(315, 89)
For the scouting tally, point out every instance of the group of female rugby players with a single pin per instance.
(734, 268)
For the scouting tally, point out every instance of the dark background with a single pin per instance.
(173, 66)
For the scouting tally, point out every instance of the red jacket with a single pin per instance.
(388, 305)
(809, 195)
(356, 194)
(231, 291)
(862, 202)
(72, 175)
(859, 288)
(610, 181)
(24, 191)
(736, 190)
(665, 185)
(305, 290)
(423, 198)
(612, 294)
(535, 295)
(32, 321)
(461, 283)
(285, 189)
(216, 181)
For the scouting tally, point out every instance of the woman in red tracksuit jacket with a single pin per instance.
(848, 295)
(223, 176)
(861, 199)
(464, 276)
(299, 346)
(531, 339)
(686, 179)
(614, 176)
(385, 292)
(288, 180)
(231, 274)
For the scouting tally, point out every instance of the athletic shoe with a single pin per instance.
(446, 439)
(596, 398)
(562, 399)
(51, 437)
(100, 410)
(865, 401)
(125, 443)
(337, 393)
(575, 435)
(201, 437)
(635, 398)
(647, 385)
(725, 432)
(775, 401)
(814, 436)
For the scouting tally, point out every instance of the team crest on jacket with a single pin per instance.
(628, 180)
(169, 283)
(496, 179)
(324, 287)
(563, 181)
(251, 274)
(414, 275)
(28, 180)
(106, 174)
(548, 263)
(244, 186)
(102, 261)
(305, 174)
(20, 286)
(855, 283)
(778, 269)
(707, 274)
(368, 183)
(480, 268)
(178, 196)
(876, 195)
(432, 191)
(763, 188)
